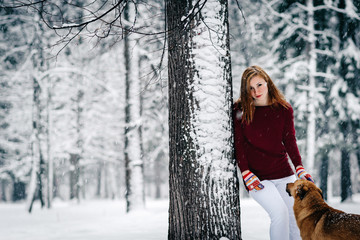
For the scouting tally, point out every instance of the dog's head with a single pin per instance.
(301, 188)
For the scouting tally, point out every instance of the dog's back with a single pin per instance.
(335, 224)
(316, 219)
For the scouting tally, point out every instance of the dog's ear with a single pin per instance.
(301, 191)
(322, 196)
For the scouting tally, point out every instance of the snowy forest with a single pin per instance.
(132, 100)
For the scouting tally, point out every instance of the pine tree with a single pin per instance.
(348, 94)
(15, 101)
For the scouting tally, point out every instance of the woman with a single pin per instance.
(264, 134)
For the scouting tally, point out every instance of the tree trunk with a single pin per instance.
(74, 176)
(324, 172)
(19, 188)
(358, 157)
(344, 124)
(133, 160)
(99, 173)
(157, 174)
(38, 176)
(140, 129)
(38, 182)
(76, 156)
(204, 194)
(311, 134)
(2, 190)
(50, 177)
(346, 191)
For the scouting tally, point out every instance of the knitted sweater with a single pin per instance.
(263, 145)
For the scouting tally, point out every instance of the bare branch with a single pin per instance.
(30, 4)
(86, 22)
(242, 13)
(339, 10)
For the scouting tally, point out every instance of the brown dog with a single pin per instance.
(318, 221)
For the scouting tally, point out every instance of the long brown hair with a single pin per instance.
(246, 102)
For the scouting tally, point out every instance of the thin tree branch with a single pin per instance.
(86, 22)
(242, 13)
(22, 4)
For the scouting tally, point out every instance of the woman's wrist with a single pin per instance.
(245, 172)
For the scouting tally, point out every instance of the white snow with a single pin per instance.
(105, 219)
(210, 91)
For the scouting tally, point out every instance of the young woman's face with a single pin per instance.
(259, 90)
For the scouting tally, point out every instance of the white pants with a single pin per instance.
(279, 205)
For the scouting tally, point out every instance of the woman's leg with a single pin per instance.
(270, 199)
(289, 201)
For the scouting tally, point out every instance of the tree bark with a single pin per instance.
(358, 157)
(133, 158)
(98, 177)
(74, 176)
(157, 171)
(344, 125)
(346, 191)
(50, 165)
(2, 190)
(324, 173)
(311, 127)
(38, 176)
(204, 194)
(19, 188)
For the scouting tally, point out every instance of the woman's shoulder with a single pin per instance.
(287, 109)
(237, 110)
(237, 106)
(285, 106)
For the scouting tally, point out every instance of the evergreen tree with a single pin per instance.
(345, 92)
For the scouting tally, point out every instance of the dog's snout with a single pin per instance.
(287, 189)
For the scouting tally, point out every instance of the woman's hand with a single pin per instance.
(302, 174)
(252, 182)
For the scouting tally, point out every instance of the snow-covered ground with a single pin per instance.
(107, 220)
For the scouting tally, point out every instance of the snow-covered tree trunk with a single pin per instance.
(324, 172)
(112, 180)
(98, 179)
(345, 123)
(311, 131)
(133, 158)
(38, 176)
(157, 173)
(39, 179)
(346, 188)
(50, 177)
(358, 157)
(204, 194)
(77, 152)
(74, 176)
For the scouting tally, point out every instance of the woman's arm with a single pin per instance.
(239, 143)
(289, 138)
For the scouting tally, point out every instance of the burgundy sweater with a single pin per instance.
(263, 145)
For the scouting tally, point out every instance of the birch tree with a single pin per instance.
(39, 178)
(204, 200)
(133, 157)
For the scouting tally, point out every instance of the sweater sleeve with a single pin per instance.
(289, 139)
(239, 140)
